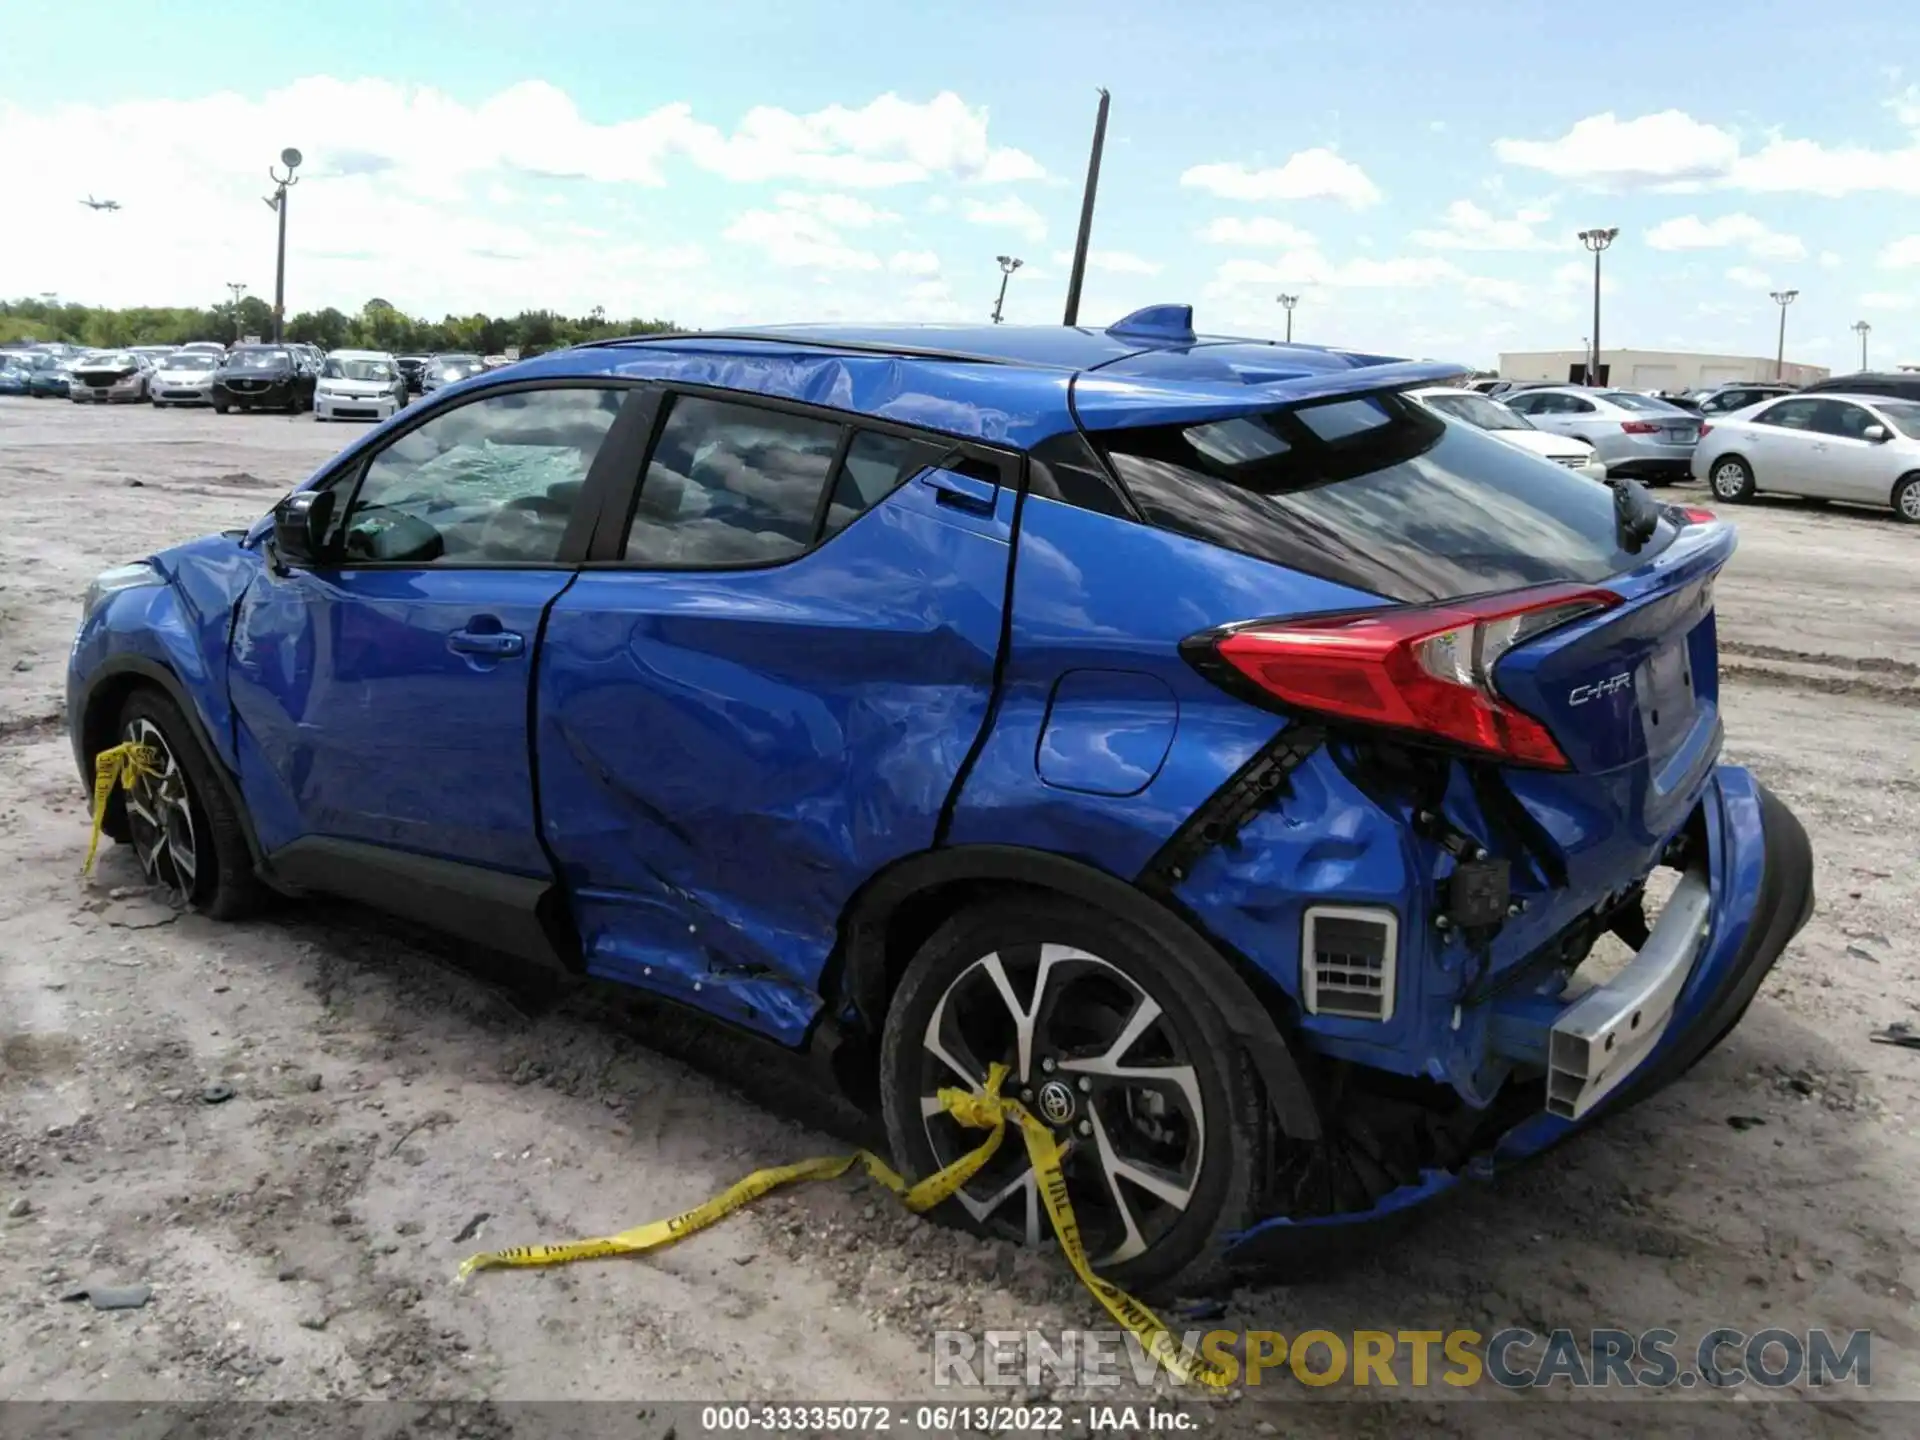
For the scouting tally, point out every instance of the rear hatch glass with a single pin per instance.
(1378, 493)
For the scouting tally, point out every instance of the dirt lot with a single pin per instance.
(393, 1111)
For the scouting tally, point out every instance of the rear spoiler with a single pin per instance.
(1121, 403)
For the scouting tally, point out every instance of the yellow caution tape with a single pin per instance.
(987, 1110)
(119, 765)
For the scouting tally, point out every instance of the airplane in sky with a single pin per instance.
(93, 204)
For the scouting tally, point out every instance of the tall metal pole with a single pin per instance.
(1287, 303)
(282, 183)
(1860, 328)
(1080, 244)
(1596, 241)
(1008, 264)
(237, 287)
(1782, 298)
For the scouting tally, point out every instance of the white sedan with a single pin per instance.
(1861, 448)
(1488, 414)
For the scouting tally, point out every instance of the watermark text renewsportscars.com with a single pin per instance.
(1511, 1359)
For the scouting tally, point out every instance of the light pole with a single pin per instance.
(1008, 264)
(1287, 302)
(278, 202)
(1860, 328)
(1782, 298)
(1596, 241)
(233, 309)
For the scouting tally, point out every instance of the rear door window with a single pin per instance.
(1790, 414)
(1410, 508)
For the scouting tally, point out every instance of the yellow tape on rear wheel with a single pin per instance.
(118, 765)
(987, 1110)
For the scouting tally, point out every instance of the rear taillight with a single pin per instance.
(1639, 427)
(1704, 429)
(1424, 670)
(1697, 514)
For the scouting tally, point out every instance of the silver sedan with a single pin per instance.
(1635, 436)
(1862, 448)
(183, 378)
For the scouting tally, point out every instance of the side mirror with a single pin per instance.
(300, 525)
(1875, 433)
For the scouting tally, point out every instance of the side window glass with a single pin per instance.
(874, 467)
(730, 484)
(1790, 414)
(492, 481)
(1836, 417)
(1574, 405)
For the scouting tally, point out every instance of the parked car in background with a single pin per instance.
(109, 375)
(412, 369)
(1895, 384)
(153, 354)
(15, 371)
(1635, 436)
(359, 385)
(210, 347)
(262, 377)
(1725, 399)
(1253, 825)
(1488, 414)
(445, 369)
(49, 376)
(184, 378)
(1860, 448)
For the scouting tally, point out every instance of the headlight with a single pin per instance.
(109, 583)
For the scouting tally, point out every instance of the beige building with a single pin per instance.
(1652, 369)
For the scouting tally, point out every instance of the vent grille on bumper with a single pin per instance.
(1349, 957)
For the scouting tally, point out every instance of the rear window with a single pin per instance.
(1410, 508)
(1642, 404)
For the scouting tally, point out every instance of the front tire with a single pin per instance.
(1906, 499)
(1109, 1042)
(1731, 478)
(183, 829)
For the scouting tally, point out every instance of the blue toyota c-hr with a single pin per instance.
(1243, 754)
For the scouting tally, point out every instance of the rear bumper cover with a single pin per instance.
(1760, 869)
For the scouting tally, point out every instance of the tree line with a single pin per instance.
(377, 326)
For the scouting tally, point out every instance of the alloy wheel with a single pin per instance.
(160, 815)
(1910, 502)
(1728, 481)
(1096, 1058)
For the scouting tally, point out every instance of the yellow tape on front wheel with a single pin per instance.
(988, 1110)
(119, 765)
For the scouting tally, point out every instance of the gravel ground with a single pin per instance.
(396, 1105)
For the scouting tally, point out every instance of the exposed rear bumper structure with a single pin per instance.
(1715, 942)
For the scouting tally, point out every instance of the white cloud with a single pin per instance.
(1606, 150)
(1902, 254)
(797, 235)
(1690, 232)
(1310, 267)
(1009, 213)
(1469, 227)
(1260, 230)
(1113, 262)
(511, 200)
(1889, 300)
(1673, 151)
(914, 262)
(848, 212)
(1751, 278)
(1317, 174)
(1829, 260)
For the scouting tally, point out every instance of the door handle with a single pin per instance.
(496, 644)
(963, 492)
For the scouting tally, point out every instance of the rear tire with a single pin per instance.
(183, 829)
(1731, 479)
(1906, 499)
(1177, 1103)
(219, 409)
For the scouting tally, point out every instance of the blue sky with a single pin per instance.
(1415, 173)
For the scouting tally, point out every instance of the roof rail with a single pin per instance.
(764, 337)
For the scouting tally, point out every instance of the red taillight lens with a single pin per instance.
(1705, 429)
(1639, 427)
(1426, 670)
(1698, 515)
